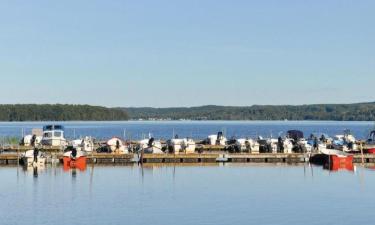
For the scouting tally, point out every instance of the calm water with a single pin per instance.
(214, 194)
(196, 129)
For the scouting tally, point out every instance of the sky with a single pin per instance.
(187, 53)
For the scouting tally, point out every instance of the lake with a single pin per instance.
(136, 130)
(200, 194)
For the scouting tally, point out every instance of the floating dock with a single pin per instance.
(105, 158)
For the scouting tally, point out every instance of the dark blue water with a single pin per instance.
(232, 194)
(197, 129)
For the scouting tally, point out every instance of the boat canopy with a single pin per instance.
(295, 134)
(53, 127)
(372, 135)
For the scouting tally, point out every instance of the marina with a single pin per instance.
(53, 144)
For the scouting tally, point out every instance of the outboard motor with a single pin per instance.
(150, 142)
(117, 144)
(219, 137)
(280, 144)
(74, 153)
(36, 153)
(371, 136)
(33, 140)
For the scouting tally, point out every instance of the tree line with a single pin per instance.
(59, 112)
(335, 112)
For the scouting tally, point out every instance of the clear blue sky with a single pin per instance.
(187, 53)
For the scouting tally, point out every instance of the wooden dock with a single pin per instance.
(104, 158)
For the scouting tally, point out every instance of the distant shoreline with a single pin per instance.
(316, 112)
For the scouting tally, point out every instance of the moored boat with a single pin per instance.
(369, 146)
(333, 159)
(184, 145)
(219, 139)
(74, 159)
(117, 146)
(345, 142)
(85, 144)
(151, 146)
(33, 158)
(53, 135)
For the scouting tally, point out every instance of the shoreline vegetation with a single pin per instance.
(320, 112)
(59, 112)
(65, 112)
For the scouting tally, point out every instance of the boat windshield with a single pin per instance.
(53, 127)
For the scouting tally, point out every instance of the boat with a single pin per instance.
(245, 145)
(296, 140)
(150, 146)
(333, 159)
(85, 144)
(53, 135)
(185, 145)
(74, 159)
(345, 142)
(219, 139)
(369, 146)
(28, 159)
(117, 146)
(318, 142)
(268, 145)
(31, 140)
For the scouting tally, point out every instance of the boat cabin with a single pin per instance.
(53, 135)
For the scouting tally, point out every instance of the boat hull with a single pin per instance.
(369, 150)
(71, 163)
(333, 162)
(29, 161)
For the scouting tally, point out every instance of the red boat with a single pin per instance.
(369, 147)
(74, 159)
(339, 162)
(334, 160)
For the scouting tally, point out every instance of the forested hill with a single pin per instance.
(338, 112)
(59, 113)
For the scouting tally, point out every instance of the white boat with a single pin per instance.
(246, 145)
(345, 142)
(53, 135)
(117, 146)
(151, 146)
(267, 145)
(85, 144)
(218, 139)
(30, 140)
(29, 160)
(185, 145)
(370, 143)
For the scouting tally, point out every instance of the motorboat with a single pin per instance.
(185, 145)
(333, 159)
(150, 146)
(218, 139)
(296, 141)
(319, 142)
(53, 135)
(268, 145)
(28, 158)
(74, 159)
(116, 145)
(345, 142)
(369, 146)
(31, 140)
(245, 145)
(85, 144)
